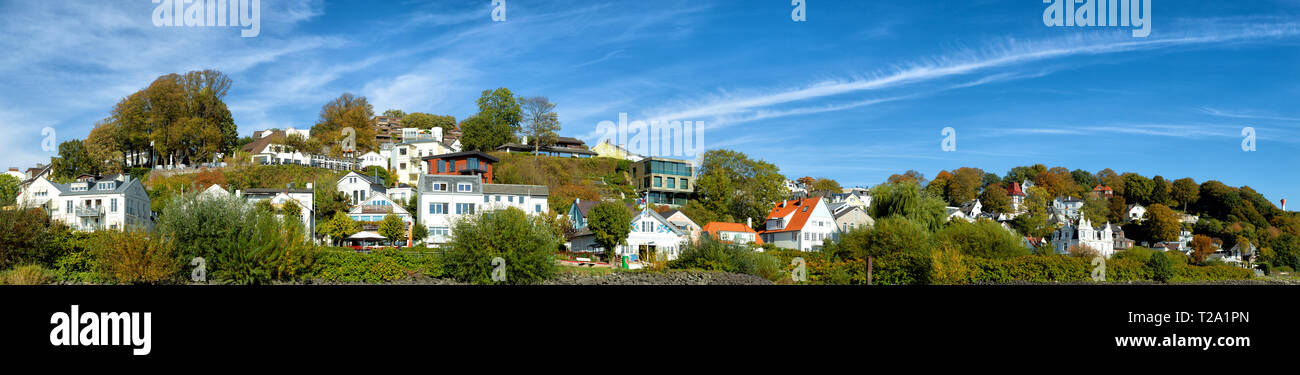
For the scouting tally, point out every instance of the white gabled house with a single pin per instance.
(304, 198)
(652, 237)
(359, 187)
(1136, 212)
(443, 199)
(1083, 233)
(800, 224)
(90, 203)
(372, 211)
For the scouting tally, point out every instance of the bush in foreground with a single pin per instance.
(526, 244)
(709, 254)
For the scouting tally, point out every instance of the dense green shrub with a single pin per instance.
(1127, 269)
(983, 238)
(1162, 269)
(376, 267)
(711, 255)
(241, 244)
(134, 257)
(1050, 268)
(526, 243)
(1212, 273)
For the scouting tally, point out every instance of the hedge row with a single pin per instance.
(916, 269)
(376, 267)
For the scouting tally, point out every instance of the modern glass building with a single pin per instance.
(664, 181)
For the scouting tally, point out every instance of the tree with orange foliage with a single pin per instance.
(1203, 247)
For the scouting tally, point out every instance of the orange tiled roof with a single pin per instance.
(796, 206)
(1015, 190)
(1102, 188)
(713, 228)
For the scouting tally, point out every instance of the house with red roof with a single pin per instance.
(732, 233)
(1103, 191)
(1017, 198)
(800, 224)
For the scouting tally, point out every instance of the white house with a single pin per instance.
(401, 193)
(90, 204)
(374, 209)
(406, 162)
(359, 187)
(1136, 212)
(443, 199)
(652, 238)
(373, 159)
(800, 224)
(1101, 240)
(1069, 207)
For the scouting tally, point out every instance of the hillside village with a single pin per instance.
(361, 183)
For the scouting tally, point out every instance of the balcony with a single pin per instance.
(85, 211)
(376, 209)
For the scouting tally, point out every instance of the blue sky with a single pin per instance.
(859, 91)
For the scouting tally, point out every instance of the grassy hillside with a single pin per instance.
(162, 186)
(567, 178)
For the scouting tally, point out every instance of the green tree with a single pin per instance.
(419, 233)
(339, 227)
(732, 185)
(906, 200)
(9, 189)
(826, 186)
(1203, 247)
(525, 243)
(983, 238)
(540, 121)
(74, 160)
(393, 228)
(964, 185)
(422, 120)
(397, 114)
(346, 111)
(1137, 188)
(995, 198)
(890, 235)
(610, 223)
(291, 210)
(497, 121)
(1161, 191)
(1162, 269)
(1097, 209)
(1161, 223)
(1185, 191)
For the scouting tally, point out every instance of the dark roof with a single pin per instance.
(527, 148)
(276, 191)
(533, 190)
(569, 141)
(478, 154)
(257, 145)
(669, 213)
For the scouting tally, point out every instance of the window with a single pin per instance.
(538, 209)
(685, 185)
(672, 183)
(487, 198)
(511, 199)
(659, 181)
(451, 166)
(646, 183)
(498, 198)
(442, 166)
(403, 166)
(464, 208)
(437, 208)
(473, 163)
(464, 188)
(69, 207)
(402, 151)
(112, 205)
(439, 231)
(440, 186)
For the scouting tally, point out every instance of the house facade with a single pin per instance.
(1083, 233)
(736, 233)
(359, 187)
(664, 181)
(372, 211)
(445, 198)
(1135, 212)
(849, 218)
(473, 163)
(90, 204)
(800, 224)
(679, 218)
(652, 238)
(407, 158)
